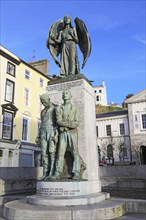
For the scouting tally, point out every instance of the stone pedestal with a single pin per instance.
(83, 97)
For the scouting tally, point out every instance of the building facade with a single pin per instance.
(21, 87)
(100, 94)
(113, 140)
(137, 126)
(121, 135)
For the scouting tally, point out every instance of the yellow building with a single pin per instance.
(21, 85)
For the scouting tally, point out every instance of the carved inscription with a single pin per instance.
(64, 86)
(57, 192)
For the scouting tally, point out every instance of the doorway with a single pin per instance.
(143, 154)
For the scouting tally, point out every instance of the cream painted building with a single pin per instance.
(21, 87)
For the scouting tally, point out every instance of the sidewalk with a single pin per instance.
(133, 216)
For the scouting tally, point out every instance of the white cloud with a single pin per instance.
(139, 39)
(106, 23)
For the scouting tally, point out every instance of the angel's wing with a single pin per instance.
(52, 45)
(84, 39)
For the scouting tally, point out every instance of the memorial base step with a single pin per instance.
(105, 210)
(65, 201)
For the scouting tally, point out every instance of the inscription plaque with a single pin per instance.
(64, 86)
(57, 192)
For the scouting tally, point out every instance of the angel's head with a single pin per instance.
(67, 21)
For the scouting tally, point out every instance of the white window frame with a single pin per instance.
(41, 107)
(41, 82)
(122, 129)
(25, 98)
(8, 124)
(27, 74)
(9, 91)
(27, 139)
(108, 130)
(141, 121)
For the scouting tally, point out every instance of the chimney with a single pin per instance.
(41, 65)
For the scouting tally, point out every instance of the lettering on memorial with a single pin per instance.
(57, 192)
(66, 86)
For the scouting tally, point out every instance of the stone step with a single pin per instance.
(126, 193)
(105, 210)
(65, 200)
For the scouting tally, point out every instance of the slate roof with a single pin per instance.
(114, 113)
(139, 97)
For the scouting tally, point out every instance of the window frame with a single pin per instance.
(97, 131)
(41, 84)
(26, 100)
(11, 127)
(28, 77)
(110, 151)
(143, 122)
(122, 129)
(124, 151)
(108, 132)
(13, 90)
(8, 70)
(27, 130)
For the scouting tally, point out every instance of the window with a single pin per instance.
(100, 91)
(136, 118)
(97, 131)
(1, 157)
(143, 121)
(9, 94)
(27, 74)
(122, 128)
(7, 125)
(109, 151)
(25, 129)
(11, 69)
(40, 105)
(108, 130)
(123, 150)
(10, 158)
(41, 82)
(97, 98)
(39, 126)
(1, 153)
(26, 97)
(95, 91)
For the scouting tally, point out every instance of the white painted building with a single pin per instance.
(137, 125)
(113, 139)
(100, 94)
(121, 135)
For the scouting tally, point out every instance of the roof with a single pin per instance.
(139, 97)
(11, 56)
(114, 113)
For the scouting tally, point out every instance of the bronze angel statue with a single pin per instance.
(62, 41)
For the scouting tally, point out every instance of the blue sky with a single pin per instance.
(116, 28)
